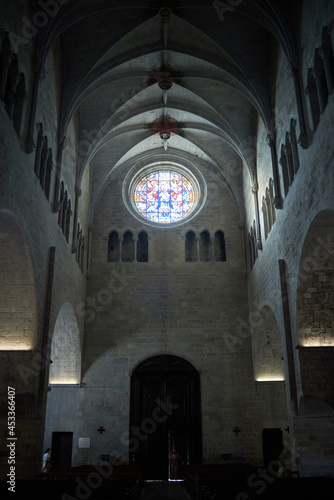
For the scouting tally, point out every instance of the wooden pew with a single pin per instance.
(123, 482)
(204, 481)
(243, 482)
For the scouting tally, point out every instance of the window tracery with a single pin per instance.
(164, 196)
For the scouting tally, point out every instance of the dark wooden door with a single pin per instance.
(272, 444)
(165, 414)
(61, 451)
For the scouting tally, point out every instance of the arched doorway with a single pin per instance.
(165, 414)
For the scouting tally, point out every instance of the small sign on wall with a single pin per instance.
(84, 442)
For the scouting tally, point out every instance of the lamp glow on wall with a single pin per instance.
(317, 342)
(64, 381)
(269, 378)
(22, 346)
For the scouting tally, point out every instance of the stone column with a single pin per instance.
(39, 147)
(278, 198)
(39, 76)
(62, 144)
(320, 91)
(45, 341)
(330, 32)
(293, 73)
(89, 245)
(285, 174)
(121, 247)
(255, 189)
(253, 237)
(44, 161)
(135, 240)
(21, 96)
(6, 60)
(82, 245)
(12, 82)
(324, 53)
(294, 146)
(241, 226)
(288, 334)
(212, 240)
(289, 157)
(78, 192)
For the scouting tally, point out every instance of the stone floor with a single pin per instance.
(164, 490)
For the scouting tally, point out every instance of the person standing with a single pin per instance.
(174, 460)
(46, 466)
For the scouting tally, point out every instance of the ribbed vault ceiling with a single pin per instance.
(115, 53)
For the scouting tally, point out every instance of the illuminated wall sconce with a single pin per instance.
(65, 382)
(270, 379)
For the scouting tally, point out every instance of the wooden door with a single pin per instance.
(165, 414)
(272, 444)
(61, 450)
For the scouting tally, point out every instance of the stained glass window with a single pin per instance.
(164, 196)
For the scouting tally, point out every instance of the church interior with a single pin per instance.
(167, 239)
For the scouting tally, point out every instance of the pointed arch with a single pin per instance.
(113, 247)
(128, 247)
(155, 382)
(315, 312)
(191, 246)
(17, 287)
(267, 349)
(205, 246)
(219, 246)
(314, 293)
(142, 247)
(65, 348)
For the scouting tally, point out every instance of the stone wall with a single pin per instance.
(314, 437)
(195, 310)
(23, 197)
(309, 196)
(205, 312)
